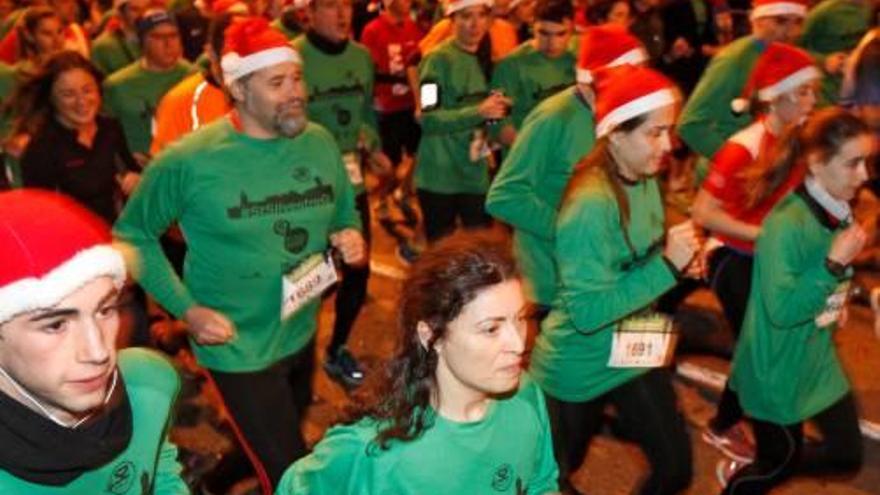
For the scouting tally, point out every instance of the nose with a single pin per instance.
(862, 172)
(515, 338)
(92, 346)
(666, 143)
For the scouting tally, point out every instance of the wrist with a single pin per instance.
(835, 268)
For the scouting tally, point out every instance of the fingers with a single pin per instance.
(350, 244)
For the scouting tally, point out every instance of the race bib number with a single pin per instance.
(833, 306)
(643, 341)
(353, 167)
(306, 282)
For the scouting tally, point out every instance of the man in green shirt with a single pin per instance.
(707, 119)
(133, 93)
(538, 68)
(118, 46)
(261, 196)
(76, 416)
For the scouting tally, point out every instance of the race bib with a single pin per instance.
(643, 341)
(833, 306)
(353, 167)
(306, 282)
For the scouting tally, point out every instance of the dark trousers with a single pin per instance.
(267, 407)
(648, 413)
(730, 277)
(352, 292)
(441, 212)
(782, 452)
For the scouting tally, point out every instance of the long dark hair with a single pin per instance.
(445, 278)
(824, 133)
(599, 161)
(31, 104)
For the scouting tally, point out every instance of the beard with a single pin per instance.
(290, 119)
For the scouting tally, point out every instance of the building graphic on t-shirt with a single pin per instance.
(274, 204)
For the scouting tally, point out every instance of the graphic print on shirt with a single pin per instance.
(283, 202)
(504, 477)
(122, 478)
(295, 238)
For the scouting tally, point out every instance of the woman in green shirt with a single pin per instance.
(601, 343)
(785, 369)
(452, 413)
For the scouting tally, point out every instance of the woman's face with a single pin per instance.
(640, 152)
(846, 170)
(620, 14)
(794, 106)
(482, 350)
(76, 98)
(471, 24)
(49, 36)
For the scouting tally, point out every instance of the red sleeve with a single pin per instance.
(371, 38)
(722, 181)
(9, 48)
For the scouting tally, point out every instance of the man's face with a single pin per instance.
(552, 38)
(64, 356)
(162, 46)
(49, 36)
(275, 98)
(471, 24)
(131, 10)
(782, 28)
(332, 19)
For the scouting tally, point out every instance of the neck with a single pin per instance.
(468, 47)
(325, 44)
(455, 401)
(153, 67)
(774, 124)
(250, 126)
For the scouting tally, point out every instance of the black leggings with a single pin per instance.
(730, 276)
(267, 407)
(782, 452)
(352, 292)
(647, 411)
(442, 211)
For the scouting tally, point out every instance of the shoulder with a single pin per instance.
(750, 138)
(592, 196)
(360, 51)
(733, 53)
(123, 75)
(145, 369)
(316, 133)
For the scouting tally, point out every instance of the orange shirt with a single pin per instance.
(501, 32)
(192, 103)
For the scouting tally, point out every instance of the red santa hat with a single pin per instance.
(769, 8)
(250, 45)
(625, 92)
(50, 247)
(608, 45)
(453, 6)
(235, 7)
(779, 69)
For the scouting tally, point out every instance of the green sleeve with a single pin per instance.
(593, 291)
(346, 215)
(505, 78)
(442, 120)
(109, 100)
(168, 480)
(545, 479)
(515, 196)
(791, 295)
(697, 124)
(99, 59)
(335, 467)
(156, 203)
(370, 126)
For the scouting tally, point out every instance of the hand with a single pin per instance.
(494, 107)
(834, 62)
(208, 327)
(15, 145)
(681, 48)
(142, 159)
(128, 182)
(380, 163)
(351, 246)
(682, 243)
(847, 244)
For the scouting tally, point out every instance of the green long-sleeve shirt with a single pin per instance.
(528, 77)
(707, 119)
(834, 26)
(132, 95)
(150, 460)
(112, 51)
(527, 190)
(510, 451)
(785, 368)
(341, 94)
(250, 210)
(445, 164)
(601, 281)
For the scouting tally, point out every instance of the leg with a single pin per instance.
(840, 452)
(438, 212)
(779, 448)
(648, 411)
(573, 425)
(472, 209)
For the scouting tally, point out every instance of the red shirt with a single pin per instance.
(391, 44)
(724, 183)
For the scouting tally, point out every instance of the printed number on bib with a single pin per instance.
(353, 167)
(643, 341)
(833, 306)
(307, 282)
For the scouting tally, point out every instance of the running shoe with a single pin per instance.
(344, 368)
(733, 443)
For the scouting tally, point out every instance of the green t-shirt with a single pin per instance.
(149, 463)
(341, 95)
(528, 77)
(785, 368)
(112, 51)
(510, 450)
(251, 210)
(132, 95)
(601, 281)
(527, 190)
(834, 26)
(445, 164)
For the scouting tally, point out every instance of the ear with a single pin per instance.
(425, 334)
(236, 89)
(814, 164)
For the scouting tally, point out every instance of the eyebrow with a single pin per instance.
(55, 313)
